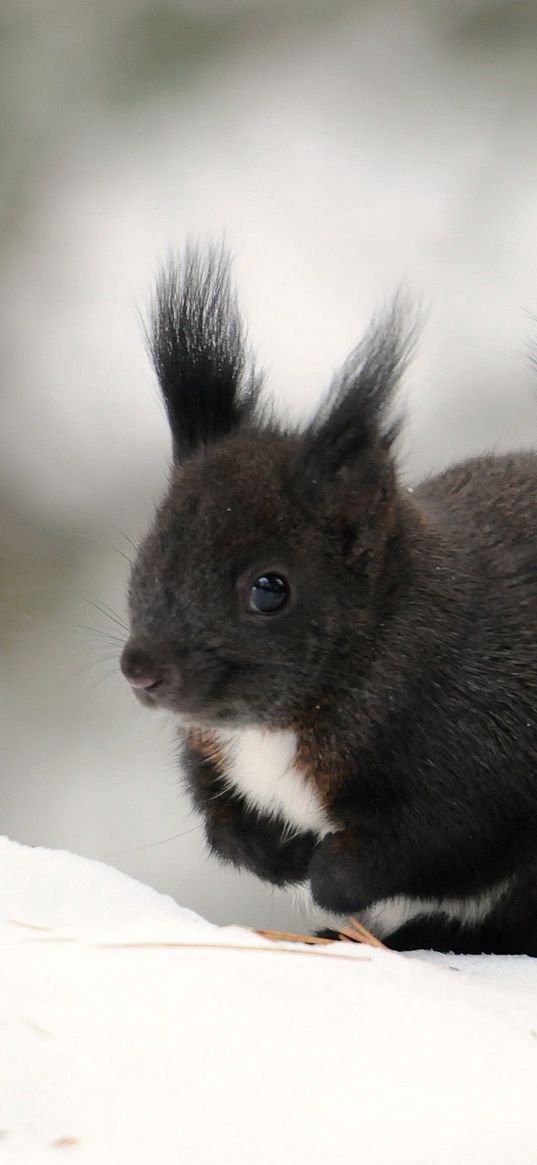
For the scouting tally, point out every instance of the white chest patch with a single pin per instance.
(261, 766)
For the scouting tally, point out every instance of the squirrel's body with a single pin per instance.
(357, 662)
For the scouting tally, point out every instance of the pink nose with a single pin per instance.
(139, 669)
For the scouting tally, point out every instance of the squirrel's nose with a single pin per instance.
(139, 669)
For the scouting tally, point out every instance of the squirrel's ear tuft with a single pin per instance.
(357, 415)
(197, 345)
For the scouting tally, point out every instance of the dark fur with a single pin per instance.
(407, 661)
(196, 341)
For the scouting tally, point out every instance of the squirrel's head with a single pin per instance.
(260, 578)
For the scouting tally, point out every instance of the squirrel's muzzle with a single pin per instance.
(141, 671)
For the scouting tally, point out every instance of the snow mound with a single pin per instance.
(134, 1031)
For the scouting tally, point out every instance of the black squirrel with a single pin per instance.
(353, 665)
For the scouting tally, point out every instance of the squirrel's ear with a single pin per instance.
(196, 341)
(356, 417)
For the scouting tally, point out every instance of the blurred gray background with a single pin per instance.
(343, 149)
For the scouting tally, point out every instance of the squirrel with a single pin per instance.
(352, 665)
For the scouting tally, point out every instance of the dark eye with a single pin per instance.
(269, 593)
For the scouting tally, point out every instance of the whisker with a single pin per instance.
(96, 542)
(121, 532)
(150, 844)
(108, 676)
(95, 631)
(107, 612)
(90, 664)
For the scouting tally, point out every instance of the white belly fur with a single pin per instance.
(260, 765)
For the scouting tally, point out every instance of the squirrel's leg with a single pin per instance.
(349, 871)
(241, 835)
(510, 928)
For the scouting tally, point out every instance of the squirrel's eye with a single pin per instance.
(269, 593)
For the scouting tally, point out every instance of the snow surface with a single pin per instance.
(113, 1051)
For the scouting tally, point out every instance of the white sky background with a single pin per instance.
(343, 149)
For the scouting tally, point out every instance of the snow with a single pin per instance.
(116, 1047)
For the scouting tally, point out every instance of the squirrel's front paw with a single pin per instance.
(257, 843)
(333, 876)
